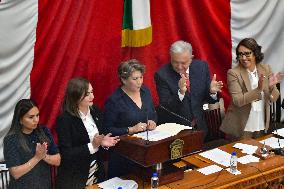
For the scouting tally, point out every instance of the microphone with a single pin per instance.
(277, 151)
(147, 129)
(175, 114)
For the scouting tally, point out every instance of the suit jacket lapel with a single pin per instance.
(80, 127)
(96, 119)
(260, 70)
(245, 77)
(176, 77)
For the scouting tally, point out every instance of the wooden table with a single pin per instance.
(253, 175)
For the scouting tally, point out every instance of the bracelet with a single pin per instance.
(29, 164)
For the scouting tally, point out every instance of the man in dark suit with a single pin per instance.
(183, 86)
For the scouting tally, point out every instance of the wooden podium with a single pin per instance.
(147, 154)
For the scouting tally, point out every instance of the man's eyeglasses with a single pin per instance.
(241, 54)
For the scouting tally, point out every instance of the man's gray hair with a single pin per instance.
(180, 47)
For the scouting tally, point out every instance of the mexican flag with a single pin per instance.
(136, 26)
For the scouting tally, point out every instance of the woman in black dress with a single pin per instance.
(29, 149)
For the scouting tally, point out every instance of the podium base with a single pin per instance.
(169, 173)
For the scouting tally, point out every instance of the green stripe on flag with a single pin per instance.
(136, 25)
(127, 15)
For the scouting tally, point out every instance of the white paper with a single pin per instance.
(153, 135)
(273, 142)
(279, 132)
(162, 131)
(172, 128)
(246, 148)
(210, 169)
(115, 182)
(248, 159)
(218, 156)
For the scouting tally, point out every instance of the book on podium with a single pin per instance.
(151, 156)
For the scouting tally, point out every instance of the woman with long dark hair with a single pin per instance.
(29, 149)
(80, 137)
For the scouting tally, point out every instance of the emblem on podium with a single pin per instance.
(176, 148)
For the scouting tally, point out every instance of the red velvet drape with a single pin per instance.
(82, 38)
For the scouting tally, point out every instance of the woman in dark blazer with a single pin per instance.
(129, 110)
(79, 141)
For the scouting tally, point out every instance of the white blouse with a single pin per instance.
(256, 117)
(91, 128)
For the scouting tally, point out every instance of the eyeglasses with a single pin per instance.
(241, 54)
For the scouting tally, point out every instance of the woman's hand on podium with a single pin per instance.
(151, 125)
(139, 127)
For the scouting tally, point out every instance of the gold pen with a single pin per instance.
(202, 159)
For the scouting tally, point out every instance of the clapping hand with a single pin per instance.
(97, 140)
(260, 82)
(215, 85)
(275, 78)
(182, 84)
(41, 151)
(109, 141)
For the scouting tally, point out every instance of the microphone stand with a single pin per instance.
(178, 116)
(147, 130)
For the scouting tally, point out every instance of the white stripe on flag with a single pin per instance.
(18, 20)
(141, 14)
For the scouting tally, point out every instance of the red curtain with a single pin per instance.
(82, 38)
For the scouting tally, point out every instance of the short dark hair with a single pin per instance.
(23, 106)
(76, 89)
(126, 68)
(251, 44)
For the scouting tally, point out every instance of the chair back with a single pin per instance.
(5, 177)
(275, 109)
(214, 115)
